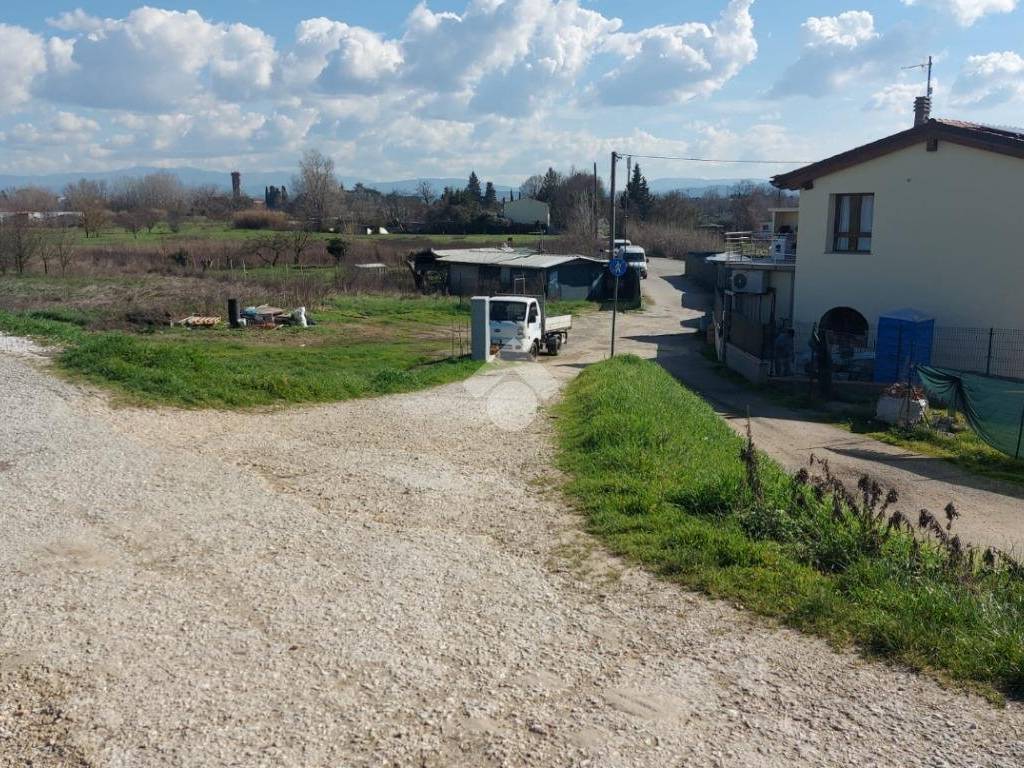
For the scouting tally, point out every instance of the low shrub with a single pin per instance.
(257, 218)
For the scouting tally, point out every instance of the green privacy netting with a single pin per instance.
(993, 407)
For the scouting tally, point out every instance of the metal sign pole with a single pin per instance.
(615, 312)
(611, 247)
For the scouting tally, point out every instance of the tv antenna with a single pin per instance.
(927, 66)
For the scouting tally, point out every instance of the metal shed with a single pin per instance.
(518, 270)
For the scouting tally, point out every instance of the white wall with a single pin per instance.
(527, 211)
(947, 239)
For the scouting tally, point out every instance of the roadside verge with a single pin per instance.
(667, 484)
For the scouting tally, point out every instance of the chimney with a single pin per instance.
(922, 110)
(236, 184)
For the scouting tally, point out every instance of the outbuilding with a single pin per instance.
(471, 271)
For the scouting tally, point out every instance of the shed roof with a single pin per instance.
(520, 258)
(1000, 140)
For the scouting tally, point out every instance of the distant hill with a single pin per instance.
(253, 183)
(696, 186)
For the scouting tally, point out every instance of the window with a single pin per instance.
(854, 218)
(508, 311)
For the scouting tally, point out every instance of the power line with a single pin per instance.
(712, 160)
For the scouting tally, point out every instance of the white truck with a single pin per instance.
(520, 326)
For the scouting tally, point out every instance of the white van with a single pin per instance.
(636, 257)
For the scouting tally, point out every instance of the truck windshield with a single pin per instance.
(508, 311)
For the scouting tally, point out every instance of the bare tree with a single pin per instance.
(59, 246)
(20, 242)
(578, 235)
(317, 189)
(28, 199)
(299, 239)
(532, 187)
(130, 220)
(89, 198)
(270, 247)
(425, 192)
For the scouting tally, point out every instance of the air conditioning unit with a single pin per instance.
(747, 281)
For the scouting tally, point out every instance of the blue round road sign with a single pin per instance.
(618, 267)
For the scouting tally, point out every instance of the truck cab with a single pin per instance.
(516, 324)
(519, 327)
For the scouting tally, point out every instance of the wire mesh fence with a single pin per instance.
(857, 356)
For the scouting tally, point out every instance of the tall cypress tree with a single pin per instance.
(638, 194)
(490, 196)
(473, 188)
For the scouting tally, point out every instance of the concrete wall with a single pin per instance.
(782, 282)
(527, 211)
(748, 366)
(946, 239)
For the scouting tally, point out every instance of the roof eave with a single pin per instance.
(803, 178)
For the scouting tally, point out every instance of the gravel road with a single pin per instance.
(389, 582)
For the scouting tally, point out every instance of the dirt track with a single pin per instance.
(389, 582)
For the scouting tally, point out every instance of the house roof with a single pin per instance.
(1000, 140)
(522, 258)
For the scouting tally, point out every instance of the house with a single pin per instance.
(753, 284)
(927, 218)
(470, 271)
(528, 212)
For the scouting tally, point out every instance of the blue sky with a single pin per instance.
(506, 87)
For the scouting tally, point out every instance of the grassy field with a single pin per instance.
(361, 346)
(662, 480)
(213, 230)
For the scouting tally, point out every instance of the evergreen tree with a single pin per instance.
(490, 197)
(473, 188)
(549, 187)
(638, 194)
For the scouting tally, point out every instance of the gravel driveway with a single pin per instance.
(388, 582)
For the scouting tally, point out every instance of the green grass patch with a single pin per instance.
(362, 346)
(964, 449)
(661, 480)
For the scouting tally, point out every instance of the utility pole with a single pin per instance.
(611, 250)
(625, 206)
(594, 210)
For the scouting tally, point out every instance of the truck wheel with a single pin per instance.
(535, 350)
(553, 345)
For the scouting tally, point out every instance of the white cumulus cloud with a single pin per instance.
(154, 58)
(966, 12)
(672, 64)
(839, 51)
(22, 60)
(990, 78)
(847, 30)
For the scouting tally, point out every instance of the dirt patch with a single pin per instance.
(35, 727)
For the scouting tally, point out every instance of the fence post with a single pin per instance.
(1020, 433)
(988, 362)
